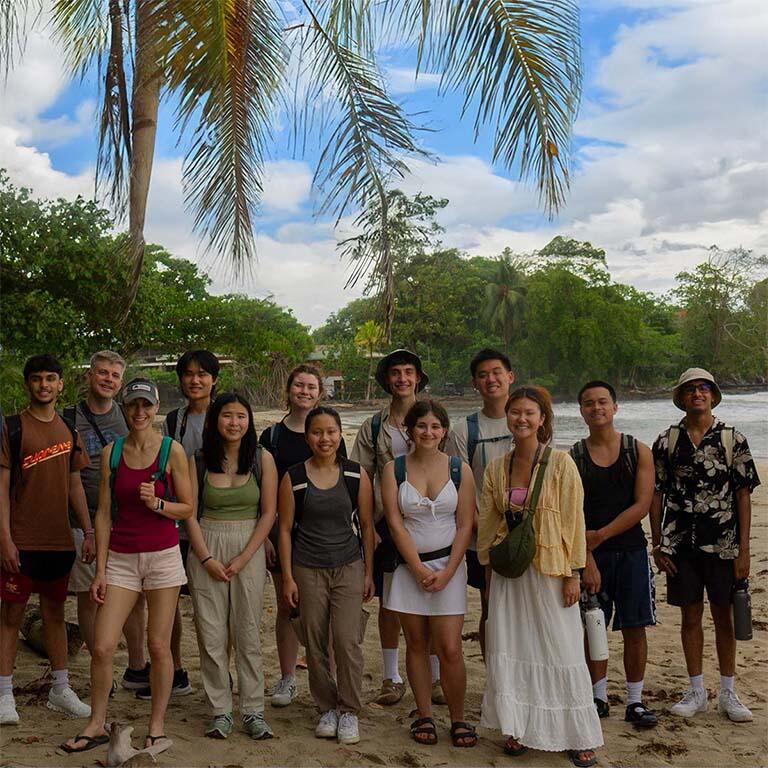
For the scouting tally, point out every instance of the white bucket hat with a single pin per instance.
(695, 374)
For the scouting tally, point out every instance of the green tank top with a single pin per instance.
(231, 503)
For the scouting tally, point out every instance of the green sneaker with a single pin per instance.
(220, 727)
(256, 726)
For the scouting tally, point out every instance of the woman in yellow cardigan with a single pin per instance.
(538, 690)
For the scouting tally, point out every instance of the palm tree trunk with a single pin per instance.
(147, 78)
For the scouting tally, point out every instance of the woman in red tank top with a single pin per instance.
(137, 551)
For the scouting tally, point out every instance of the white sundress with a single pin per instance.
(432, 526)
(537, 687)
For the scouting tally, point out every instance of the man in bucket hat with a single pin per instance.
(381, 438)
(704, 478)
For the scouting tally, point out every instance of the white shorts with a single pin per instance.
(144, 571)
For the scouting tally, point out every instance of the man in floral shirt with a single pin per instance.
(704, 478)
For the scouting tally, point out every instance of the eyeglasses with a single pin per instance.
(704, 386)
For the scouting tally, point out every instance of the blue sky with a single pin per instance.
(670, 156)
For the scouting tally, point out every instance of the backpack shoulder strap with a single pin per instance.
(274, 437)
(165, 453)
(455, 470)
(70, 414)
(728, 438)
(351, 470)
(400, 470)
(629, 452)
(533, 499)
(171, 422)
(13, 429)
(473, 435)
(298, 475)
(579, 455)
(115, 454)
(375, 431)
(674, 436)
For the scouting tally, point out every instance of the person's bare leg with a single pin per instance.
(692, 636)
(725, 638)
(483, 620)
(285, 637)
(110, 618)
(86, 618)
(162, 605)
(11, 618)
(54, 632)
(635, 653)
(417, 644)
(176, 638)
(446, 640)
(135, 631)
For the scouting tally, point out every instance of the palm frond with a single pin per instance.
(518, 63)
(16, 18)
(114, 145)
(83, 28)
(225, 61)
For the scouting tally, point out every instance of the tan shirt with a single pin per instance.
(372, 457)
(561, 546)
(40, 496)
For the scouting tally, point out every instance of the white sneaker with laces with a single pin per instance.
(728, 704)
(328, 725)
(694, 700)
(284, 693)
(68, 703)
(8, 713)
(348, 732)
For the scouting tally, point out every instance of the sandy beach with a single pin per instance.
(707, 740)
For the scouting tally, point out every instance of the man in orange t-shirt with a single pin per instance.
(40, 464)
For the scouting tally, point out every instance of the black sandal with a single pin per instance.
(573, 755)
(424, 726)
(91, 742)
(520, 749)
(461, 732)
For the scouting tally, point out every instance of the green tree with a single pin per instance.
(369, 336)
(505, 299)
(224, 62)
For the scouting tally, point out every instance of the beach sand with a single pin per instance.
(707, 740)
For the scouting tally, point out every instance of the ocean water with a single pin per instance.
(644, 419)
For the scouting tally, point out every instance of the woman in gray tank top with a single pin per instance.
(325, 518)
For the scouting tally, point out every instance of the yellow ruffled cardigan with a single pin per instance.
(561, 546)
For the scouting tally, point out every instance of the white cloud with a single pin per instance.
(404, 80)
(287, 184)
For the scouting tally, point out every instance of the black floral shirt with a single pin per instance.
(700, 491)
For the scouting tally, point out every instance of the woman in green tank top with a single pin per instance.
(234, 513)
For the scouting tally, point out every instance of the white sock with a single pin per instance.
(60, 680)
(389, 655)
(6, 685)
(726, 683)
(634, 692)
(600, 689)
(697, 682)
(434, 662)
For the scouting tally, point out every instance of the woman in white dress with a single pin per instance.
(538, 689)
(429, 503)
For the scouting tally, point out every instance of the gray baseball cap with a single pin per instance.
(141, 388)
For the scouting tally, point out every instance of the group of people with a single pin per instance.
(96, 501)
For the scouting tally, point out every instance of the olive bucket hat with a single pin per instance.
(695, 374)
(400, 357)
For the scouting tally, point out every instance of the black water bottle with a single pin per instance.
(742, 610)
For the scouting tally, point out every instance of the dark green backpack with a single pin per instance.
(161, 473)
(512, 556)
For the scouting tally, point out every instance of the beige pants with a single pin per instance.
(333, 597)
(229, 612)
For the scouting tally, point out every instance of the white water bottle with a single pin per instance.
(597, 639)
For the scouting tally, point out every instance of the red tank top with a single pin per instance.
(137, 528)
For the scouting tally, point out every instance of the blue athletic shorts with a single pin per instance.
(627, 589)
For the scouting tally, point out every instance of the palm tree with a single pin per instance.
(368, 336)
(505, 299)
(224, 64)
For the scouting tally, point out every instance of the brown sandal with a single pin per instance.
(424, 726)
(461, 733)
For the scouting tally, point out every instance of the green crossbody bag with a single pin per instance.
(512, 556)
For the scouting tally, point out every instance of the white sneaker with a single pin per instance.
(728, 704)
(348, 732)
(68, 703)
(694, 700)
(8, 713)
(284, 693)
(328, 725)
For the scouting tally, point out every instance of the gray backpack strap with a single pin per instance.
(629, 453)
(473, 435)
(674, 436)
(728, 438)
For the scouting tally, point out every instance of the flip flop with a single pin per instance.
(91, 742)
